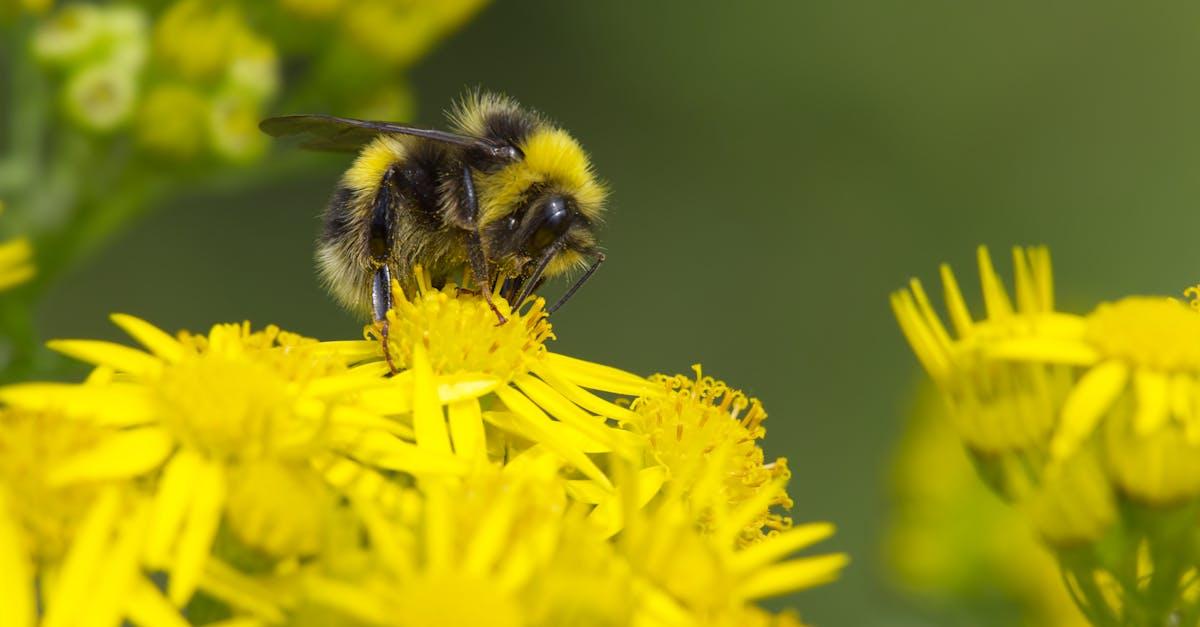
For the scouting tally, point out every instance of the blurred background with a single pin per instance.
(777, 169)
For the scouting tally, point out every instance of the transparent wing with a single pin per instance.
(330, 133)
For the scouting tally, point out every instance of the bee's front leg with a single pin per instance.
(475, 253)
(381, 302)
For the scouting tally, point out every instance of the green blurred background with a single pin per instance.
(777, 168)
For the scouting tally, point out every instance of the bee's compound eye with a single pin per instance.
(554, 218)
(512, 223)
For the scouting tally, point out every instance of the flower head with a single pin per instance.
(84, 538)
(241, 426)
(1088, 423)
(514, 392)
(689, 574)
(698, 416)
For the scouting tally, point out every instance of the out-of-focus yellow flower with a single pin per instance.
(478, 550)
(173, 120)
(255, 420)
(952, 544)
(523, 394)
(233, 126)
(685, 575)
(101, 97)
(696, 417)
(1088, 423)
(196, 38)
(398, 31)
(16, 260)
(74, 32)
(68, 551)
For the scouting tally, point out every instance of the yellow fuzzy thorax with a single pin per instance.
(373, 161)
(552, 157)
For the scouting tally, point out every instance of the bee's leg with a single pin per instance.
(475, 253)
(578, 284)
(381, 243)
(381, 302)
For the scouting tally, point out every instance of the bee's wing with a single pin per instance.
(334, 134)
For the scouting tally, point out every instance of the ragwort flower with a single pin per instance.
(525, 394)
(696, 417)
(235, 426)
(1088, 423)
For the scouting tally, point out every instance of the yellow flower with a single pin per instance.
(265, 422)
(195, 38)
(685, 575)
(523, 394)
(68, 552)
(489, 548)
(172, 121)
(698, 416)
(398, 32)
(101, 97)
(997, 405)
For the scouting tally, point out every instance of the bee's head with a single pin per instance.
(548, 223)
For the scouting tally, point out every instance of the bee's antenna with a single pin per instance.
(578, 284)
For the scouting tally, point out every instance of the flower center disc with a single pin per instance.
(460, 333)
(1159, 333)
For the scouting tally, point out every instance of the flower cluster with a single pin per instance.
(1087, 423)
(260, 477)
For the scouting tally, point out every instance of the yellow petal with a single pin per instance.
(116, 404)
(1092, 396)
(932, 322)
(1043, 275)
(199, 529)
(119, 456)
(466, 429)
(1044, 349)
(582, 397)
(428, 420)
(170, 506)
(935, 360)
(624, 443)
(241, 592)
(534, 420)
(995, 298)
(779, 546)
(110, 594)
(350, 599)
(386, 451)
(158, 341)
(147, 607)
(748, 511)
(16, 574)
(791, 576)
(118, 357)
(487, 540)
(1152, 401)
(600, 377)
(960, 316)
(69, 603)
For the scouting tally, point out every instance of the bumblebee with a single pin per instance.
(506, 194)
